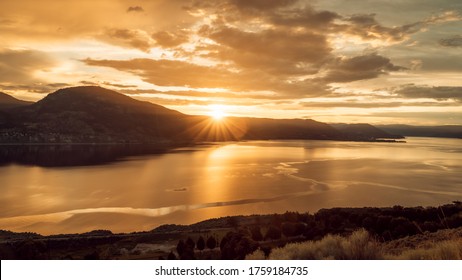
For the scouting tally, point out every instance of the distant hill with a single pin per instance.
(8, 101)
(363, 130)
(445, 131)
(95, 114)
(92, 114)
(289, 129)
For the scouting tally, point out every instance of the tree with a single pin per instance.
(292, 229)
(171, 256)
(236, 245)
(233, 222)
(200, 245)
(273, 233)
(256, 233)
(186, 249)
(211, 243)
(180, 247)
(190, 243)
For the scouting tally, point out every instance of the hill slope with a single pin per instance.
(95, 114)
(8, 101)
(364, 130)
(91, 114)
(445, 131)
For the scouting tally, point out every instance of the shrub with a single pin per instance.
(211, 243)
(180, 247)
(446, 250)
(257, 255)
(256, 233)
(236, 245)
(273, 233)
(200, 243)
(171, 256)
(358, 246)
(190, 243)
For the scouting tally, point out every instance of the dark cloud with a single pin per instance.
(438, 93)
(261, 4)
(306, 18)
(167, 39)
(367, 27)
(359, 68)
(127, 37)
(278, 13)
(447, 16)
(7, 22)
(18, 66)
(34, 87)
(241, 5)
(118, 85)
(189, 93)
(454, 41)
(169, 72)
(135, 9)
(198, 93)
(89, 83)
(275, 51)
(185, 74)
(371, 105)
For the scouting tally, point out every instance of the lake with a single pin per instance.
(79, 189)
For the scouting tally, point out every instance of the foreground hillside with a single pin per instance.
(361, 245)
(91, 114)
(338, 233)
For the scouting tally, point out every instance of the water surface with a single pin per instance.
(127, 193)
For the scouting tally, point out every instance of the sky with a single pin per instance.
(355, 61)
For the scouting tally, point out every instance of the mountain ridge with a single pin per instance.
(92, 114)
(442, 131)
(7, 101)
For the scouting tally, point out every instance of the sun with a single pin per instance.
(217, 112)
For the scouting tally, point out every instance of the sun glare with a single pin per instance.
(217, 112)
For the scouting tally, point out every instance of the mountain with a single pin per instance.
(91, 114)
(444, 131)
(364, 130)
(95, 114)
(8, 101)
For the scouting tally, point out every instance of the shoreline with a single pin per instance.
(263, 232)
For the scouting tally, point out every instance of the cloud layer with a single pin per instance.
(263, 51)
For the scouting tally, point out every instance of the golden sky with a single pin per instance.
(375, 61)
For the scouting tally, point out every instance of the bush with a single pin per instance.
(257, 255)
(446, 250)
(359, 246)
(293, 229)
(200, 243)
(236, 245)
(273, 233)
(211, 243)
(256, 233)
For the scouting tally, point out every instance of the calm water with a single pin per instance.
(188, 185)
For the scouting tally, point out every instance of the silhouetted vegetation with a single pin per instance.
(200, 243)
(236, 245)
(242, 235)
(256, 233)
(211, 243)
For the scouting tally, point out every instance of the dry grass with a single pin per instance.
(444, 245)
(358, 246)
(445, 250)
